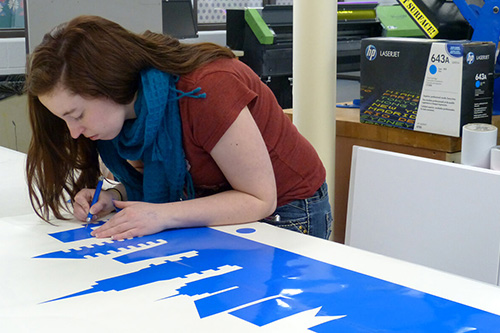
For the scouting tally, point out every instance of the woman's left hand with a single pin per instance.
(135, 219)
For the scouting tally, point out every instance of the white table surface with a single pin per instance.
(240, 278)
(14, 199)
(59, 279)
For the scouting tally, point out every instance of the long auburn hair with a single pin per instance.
(96, 58)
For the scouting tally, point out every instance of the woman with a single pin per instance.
(192, 134)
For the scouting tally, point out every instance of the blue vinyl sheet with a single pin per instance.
(262, 284)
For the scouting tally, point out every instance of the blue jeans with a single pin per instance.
(312, 216)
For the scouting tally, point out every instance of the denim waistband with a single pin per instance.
(322, 191)
(319, 194)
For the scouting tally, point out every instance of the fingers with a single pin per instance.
(79, 213)
(97, 210)
(81, 204)
(106, 230)
(119, 205)
(135, 219)
(117, 228)
(123, 204)
(82, 200)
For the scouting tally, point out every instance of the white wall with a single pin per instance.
(137, 16)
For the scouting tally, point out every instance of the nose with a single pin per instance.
(75, 130)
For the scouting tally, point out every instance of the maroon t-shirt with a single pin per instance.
(230, 85)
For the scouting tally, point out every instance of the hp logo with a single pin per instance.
(371, 52)
(470, 58)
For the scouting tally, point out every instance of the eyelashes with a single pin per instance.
(80, 117)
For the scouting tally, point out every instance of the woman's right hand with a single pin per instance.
(83, 199)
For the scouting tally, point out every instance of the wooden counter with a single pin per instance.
(351, 132)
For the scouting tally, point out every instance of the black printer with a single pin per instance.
(265, 35)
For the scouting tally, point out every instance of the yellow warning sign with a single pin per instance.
(422, 21)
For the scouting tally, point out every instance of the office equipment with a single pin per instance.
(356, 11)
(274, 58)
(427, 85)
(396, 22)
(350, 32)
(267, 41)
(476, 20)
(439, 19)
(179, 19)
(433, 213)
(483, 18)
(271, 56)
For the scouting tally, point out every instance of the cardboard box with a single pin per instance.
(426, 85)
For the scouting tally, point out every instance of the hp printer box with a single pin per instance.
(426, 85)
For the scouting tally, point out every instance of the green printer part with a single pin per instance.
(397, 23)
(259, 27)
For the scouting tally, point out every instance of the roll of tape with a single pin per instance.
(477, 141)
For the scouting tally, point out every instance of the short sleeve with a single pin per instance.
(210, 117)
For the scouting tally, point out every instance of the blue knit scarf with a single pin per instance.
(155, 138)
